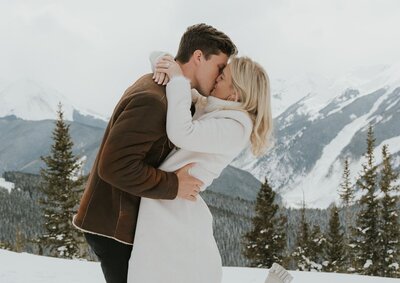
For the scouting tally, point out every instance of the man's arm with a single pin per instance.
(132, 135)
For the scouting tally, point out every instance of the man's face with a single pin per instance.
(208, 71)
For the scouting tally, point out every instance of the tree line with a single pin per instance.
(368, 244)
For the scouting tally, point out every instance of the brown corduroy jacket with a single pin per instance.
(134, 145)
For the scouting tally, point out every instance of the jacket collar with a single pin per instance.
(214, 103)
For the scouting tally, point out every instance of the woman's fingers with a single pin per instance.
(157, 76)
(161, 78)
(165, 69)
(163, 64)
(166, 80)
(167, 58)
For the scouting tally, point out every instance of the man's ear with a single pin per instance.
(197, 56)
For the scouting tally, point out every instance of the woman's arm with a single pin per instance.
(213, 135)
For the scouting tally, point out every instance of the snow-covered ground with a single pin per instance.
(18, 268)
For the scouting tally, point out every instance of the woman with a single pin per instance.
(174, 238)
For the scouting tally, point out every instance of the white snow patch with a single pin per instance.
(387, 119)
(368, 263)
(6, 185)
(392, 105)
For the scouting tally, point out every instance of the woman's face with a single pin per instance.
(223, 88)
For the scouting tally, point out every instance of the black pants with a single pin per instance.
(113, 256)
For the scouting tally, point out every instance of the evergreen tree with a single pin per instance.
(20, 240)
(266, 242)
(335, 245)
(61, 189)
(305, 250)
(317, 243)
(367, 230)
(346, 194)
(5, 246)
(390, 228)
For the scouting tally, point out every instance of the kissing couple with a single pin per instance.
(170, 135)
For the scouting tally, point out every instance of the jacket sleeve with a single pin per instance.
(222, 135)
(130, 138)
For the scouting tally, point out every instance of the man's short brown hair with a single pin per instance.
(205, 38)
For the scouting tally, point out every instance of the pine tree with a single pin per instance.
(346, 194)
(61, 189)
(367, 230)
(302, 255)
(5, 246)
(335, 244)
(317, 243)
(20, 240)
(265, 243)
(390, 228)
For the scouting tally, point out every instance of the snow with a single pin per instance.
(30, 100)
(320, 186)
(23, 267)
(78, 172)
(291, 89)
(368, 263)
(6, 185)
(318, 91)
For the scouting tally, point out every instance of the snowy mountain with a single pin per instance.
(315, 134)
(23, 267)
(29, 100)
(22, 143)
(321, 89)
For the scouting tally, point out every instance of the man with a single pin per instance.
(134, 145)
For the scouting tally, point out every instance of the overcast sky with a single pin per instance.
(92, 50)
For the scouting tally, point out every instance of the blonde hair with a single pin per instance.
(251, 83)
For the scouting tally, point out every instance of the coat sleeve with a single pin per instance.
(223, 135)
(130, 138)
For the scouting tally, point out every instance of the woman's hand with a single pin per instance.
(166, 69)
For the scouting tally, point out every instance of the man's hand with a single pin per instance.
(189, 186)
